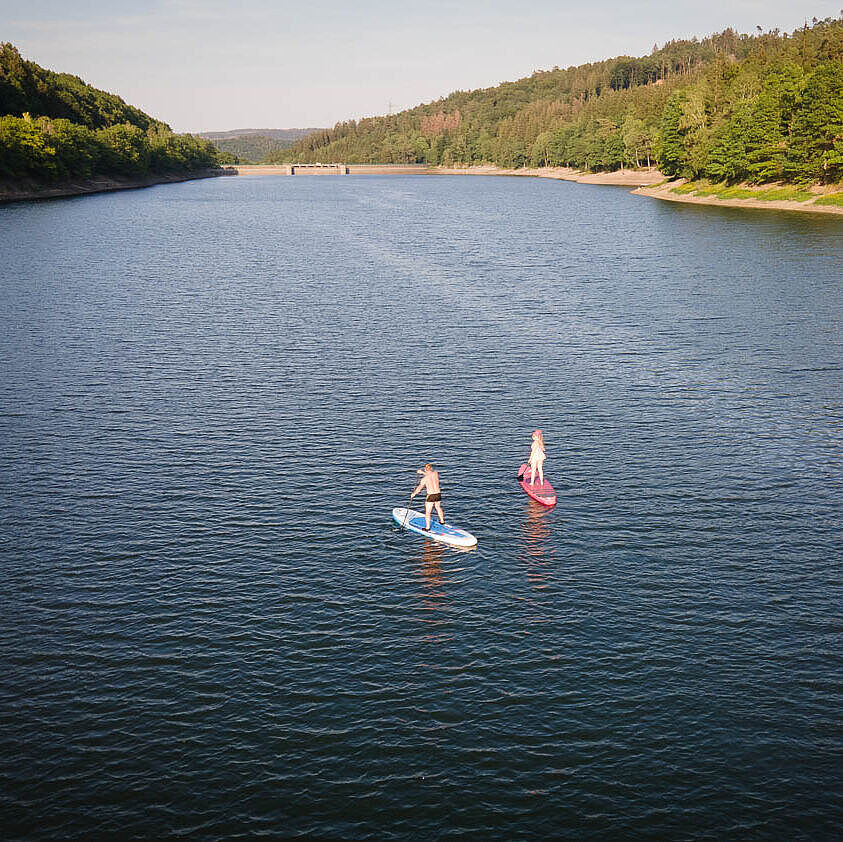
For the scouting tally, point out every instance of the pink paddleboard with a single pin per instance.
(543, 493)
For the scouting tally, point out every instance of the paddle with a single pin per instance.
(407, 512)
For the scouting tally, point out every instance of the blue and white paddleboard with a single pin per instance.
(442, 532)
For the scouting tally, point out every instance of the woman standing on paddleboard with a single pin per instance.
(537, 456)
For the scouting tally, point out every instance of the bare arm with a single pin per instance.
(422, 484)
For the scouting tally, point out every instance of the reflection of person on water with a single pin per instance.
(536, 460)
(430, 482)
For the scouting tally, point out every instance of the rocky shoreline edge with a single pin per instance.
(21, 190)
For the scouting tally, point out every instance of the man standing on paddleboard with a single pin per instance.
(430, 482)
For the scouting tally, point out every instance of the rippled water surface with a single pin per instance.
(212, 395)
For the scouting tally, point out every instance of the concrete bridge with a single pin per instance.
(331, 169)
(317, 169)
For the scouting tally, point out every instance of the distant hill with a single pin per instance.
(255, 145)
(728, 107)
(277, 134)
(54, 127)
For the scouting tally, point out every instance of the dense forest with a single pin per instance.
(253, 146)
(729, 107)
(54, 126)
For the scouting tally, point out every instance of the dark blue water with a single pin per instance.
(213, 394)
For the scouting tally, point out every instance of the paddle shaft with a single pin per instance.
(407, 512)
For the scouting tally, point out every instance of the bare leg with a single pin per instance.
(440, 513)
(532, 474)
(541, 474)
(428, 508)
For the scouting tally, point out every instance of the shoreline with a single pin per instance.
(620, 178)
(623, 178)
(30, 189)
(646, 182)
(665, 192)
(652, 183)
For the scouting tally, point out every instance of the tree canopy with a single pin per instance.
(55, 126)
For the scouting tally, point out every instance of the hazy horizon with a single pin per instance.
(201, 69)
(252, 130)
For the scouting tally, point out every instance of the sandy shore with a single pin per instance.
(624, 178)
(26, 189)
(664, 191)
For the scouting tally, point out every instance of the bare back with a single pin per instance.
(430, 482)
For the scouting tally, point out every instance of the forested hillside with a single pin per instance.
(54, 126)
(729, 107)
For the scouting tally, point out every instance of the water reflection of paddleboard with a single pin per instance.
(442, 532)
(542, 493)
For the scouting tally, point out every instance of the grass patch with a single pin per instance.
(834, 199)
(734, 193)
(725, 191)
(784, 194)
(706, 188)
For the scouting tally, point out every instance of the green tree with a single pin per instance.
(728, 158)
(540, 153)
(817, 135)
(694, 122)
(635, 139)
(77, 152)
(765, 140)
(126, 150)
(23, 148)
(670, 149)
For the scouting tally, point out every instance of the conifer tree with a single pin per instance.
(670, 150)
(817, 135)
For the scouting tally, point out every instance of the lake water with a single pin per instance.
(212, 395)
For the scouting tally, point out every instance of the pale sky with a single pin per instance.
(208, 65)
